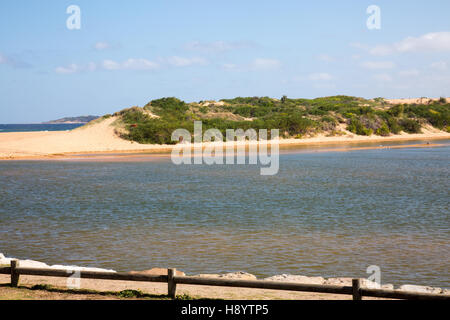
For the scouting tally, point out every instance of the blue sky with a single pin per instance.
(128, 53)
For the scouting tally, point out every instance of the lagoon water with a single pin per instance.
(328, 214)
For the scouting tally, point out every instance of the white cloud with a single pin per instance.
(185, 62)
(102, 46)
(75, 68)
(130, 64)
(430, 42)
(139, 64)
(229, 66)
(110, 65)
(378, 64)
(265, 64)
(409, 73)
(384, 77)
(320, 76)
(439, 65)
(72, 68)
(325, 58)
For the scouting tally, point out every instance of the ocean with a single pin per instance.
(329, 214)
(38, 127)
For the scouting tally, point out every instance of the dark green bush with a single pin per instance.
(410, 126)
(357, 127)
(131, 293)
(383, 130)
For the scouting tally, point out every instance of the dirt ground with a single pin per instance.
(108, 289)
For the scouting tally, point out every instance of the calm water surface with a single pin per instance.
(324, 214)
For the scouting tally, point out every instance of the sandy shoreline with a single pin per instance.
(203, 291)
(100, 139)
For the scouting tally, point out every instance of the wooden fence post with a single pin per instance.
(356, 285)
(172, 286)
(14, 274)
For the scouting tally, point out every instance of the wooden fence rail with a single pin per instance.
(172, 280)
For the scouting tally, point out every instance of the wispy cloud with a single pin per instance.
(265, 64)
(229, 66)
(185, 62)
(409, 73)
(378, 65)
(76, 68)
(137, 64)
(430, 42)
(322, 76)
(102, 45)
(71, 68)
(383, 77)
(218, 46)
(439, 65)
(13, 61)
(325, 58)
(110, 65)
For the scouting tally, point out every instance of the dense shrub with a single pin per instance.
(410, 126)
(357, 127)
(383, 130)
(393, 125)
(169, 107)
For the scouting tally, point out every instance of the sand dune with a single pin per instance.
(414, 100)
(96, 137)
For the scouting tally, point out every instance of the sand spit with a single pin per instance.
(100, 137)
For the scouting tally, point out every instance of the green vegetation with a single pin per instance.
(184, 297)
(131, 294)
(295, 118)
(41, 287)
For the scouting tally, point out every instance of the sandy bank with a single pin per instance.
(100, 138)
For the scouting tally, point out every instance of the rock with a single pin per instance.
(156, 271)
(339, 282)
(42, 265)
(233, 275)
(296, 278)
(388, 286)
(364, 283)
(422, 289)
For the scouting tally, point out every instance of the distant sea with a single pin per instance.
(38, 127)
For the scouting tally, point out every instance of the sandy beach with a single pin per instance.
(100, 138)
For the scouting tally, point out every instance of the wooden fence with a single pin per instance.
(172, 280)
